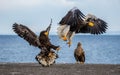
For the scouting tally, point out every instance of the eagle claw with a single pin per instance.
(69, 43)
(58, 48)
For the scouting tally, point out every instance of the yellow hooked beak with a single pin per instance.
(46, 33)
(91, 24)
(64, 38)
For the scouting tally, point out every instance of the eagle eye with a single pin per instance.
(88, 19)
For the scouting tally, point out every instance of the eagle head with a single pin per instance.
(79, 44)
(45, 33)
(90, 20)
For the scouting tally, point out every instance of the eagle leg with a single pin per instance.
(69, 43)
(64, 38)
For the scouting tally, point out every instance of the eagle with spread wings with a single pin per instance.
(47, 56)
(75, 22)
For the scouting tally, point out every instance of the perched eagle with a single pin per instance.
(42, 42)
(76, 22)
(79, 54)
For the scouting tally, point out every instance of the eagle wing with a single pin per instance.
(25, 33)
(99, 27)
(74, 18)
(78, 23)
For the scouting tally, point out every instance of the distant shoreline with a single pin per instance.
(59, 69)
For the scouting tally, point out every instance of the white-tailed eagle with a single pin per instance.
(79, 54)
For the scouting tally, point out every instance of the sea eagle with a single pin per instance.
(42, 42)
(76, 22)
(79, 54)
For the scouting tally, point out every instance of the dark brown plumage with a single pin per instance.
(42, 42)
(76, 22)
(45, 41)
(79, 54)
(25, 33)
(79, 23)
(46, 58)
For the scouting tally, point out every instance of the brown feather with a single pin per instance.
(25, 33)
(79, 54)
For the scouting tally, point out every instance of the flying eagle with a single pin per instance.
(42, 42)
(79, 54)
(76, 22)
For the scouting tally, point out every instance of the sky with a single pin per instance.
(36, 14)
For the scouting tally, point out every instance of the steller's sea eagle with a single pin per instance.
(42, 42)
(76, 22)
(79, 54)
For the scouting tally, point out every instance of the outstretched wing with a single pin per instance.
(99, 26)
(25, 33)
(49, 27)
(79, 23)
(73, 18)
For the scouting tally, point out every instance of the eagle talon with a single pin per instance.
(77, 62)
(57, 49)
(64, 38)
(69, 43)
(81, 62)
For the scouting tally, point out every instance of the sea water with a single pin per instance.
(99, 49)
